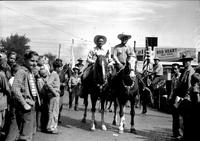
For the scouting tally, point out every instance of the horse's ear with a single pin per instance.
(107, 54)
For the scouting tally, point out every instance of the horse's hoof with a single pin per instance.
(121, 131)
(114, 123)
(83, 120)
(124, 125)
(92, 128)
(133, 130)
(104, 127)
(95, 123)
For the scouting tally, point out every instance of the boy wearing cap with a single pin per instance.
(172, 100)
(74, 83)
(80, 65)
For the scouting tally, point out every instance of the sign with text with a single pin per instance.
(170, 54)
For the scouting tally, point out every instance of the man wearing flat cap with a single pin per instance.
(121, 51)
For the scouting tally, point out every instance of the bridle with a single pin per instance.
(101, 86)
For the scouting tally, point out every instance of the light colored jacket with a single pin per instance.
(91, 58)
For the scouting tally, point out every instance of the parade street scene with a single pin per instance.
(100, 70)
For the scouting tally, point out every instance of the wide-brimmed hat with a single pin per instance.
(75, 68)
(96, 38)
(121, 36)
(80, 59)
(156, 58)
(186, 57)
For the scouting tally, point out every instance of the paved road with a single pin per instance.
(154, 126)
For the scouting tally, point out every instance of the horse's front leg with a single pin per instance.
(93, 101)
(85, 110)
(103, 126)
(115, 113)
(132, 130)
(122, 118)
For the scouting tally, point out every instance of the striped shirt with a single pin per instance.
(32, 85)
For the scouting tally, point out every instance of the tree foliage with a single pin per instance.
(16, 43)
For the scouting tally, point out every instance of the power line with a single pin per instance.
(44, 23)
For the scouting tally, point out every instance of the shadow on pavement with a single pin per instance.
(159, 134)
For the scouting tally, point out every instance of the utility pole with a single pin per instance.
(72, 53)
(59, 51)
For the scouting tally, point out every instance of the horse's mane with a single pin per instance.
(98, 67)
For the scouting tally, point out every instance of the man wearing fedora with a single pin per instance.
(184, 84)
(121, 51)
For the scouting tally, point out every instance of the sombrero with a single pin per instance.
(80, 59)
(156, 58)
(75, 68)
(121, 36)
(96, 38)
(186, 57)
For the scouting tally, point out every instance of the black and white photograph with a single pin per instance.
(99, 70)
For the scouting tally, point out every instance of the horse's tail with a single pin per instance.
(149, 94)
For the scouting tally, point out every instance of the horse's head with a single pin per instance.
(101, 69)
(131, 65)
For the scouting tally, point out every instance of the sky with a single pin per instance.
(176, 23)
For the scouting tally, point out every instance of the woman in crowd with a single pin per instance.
(53, 85)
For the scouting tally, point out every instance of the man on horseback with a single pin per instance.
(157, 79)
(99, 40)
(157, 71)
(121, 51)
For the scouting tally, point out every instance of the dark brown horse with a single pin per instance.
(125, 87)
(94, 85)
